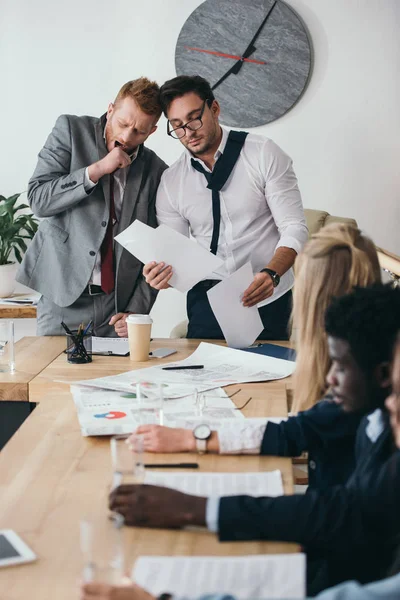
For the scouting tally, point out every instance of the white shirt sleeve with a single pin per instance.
(167, 211)
(241, 438)
(87, 182)
(212, 511)
(283, 197)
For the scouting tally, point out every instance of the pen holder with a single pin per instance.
(79, 348)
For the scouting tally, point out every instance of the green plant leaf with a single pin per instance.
(14, 228)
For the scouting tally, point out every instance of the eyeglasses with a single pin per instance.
(192, 125)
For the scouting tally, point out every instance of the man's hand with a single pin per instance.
(155, 506)
(261, 288)
(165, 439)
(104, 591)
(157, 275)
(116, 159)
(119, 322)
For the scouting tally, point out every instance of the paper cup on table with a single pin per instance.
(139, 332)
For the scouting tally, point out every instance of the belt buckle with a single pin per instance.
(93, 293)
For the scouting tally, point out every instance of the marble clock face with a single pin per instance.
(257, 54)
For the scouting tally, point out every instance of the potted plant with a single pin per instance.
(15, 228)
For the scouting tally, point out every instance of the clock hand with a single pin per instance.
(258, 62)
(249, 50)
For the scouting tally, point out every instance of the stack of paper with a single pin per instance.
(29, 299)
(221, 366)
(105, 412)
(244, 577)
(220, 484)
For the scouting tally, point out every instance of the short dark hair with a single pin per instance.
(184, 84)
(369, 320)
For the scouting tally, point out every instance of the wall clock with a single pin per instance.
(256, 54)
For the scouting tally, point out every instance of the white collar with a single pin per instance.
(218, 152)
(375, 425)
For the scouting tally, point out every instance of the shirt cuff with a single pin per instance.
(296, 244)
(212, 512)
(87, 182)
(241, 438)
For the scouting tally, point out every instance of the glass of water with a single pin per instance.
(7, 358)
(102, 549)
(150, 399)
(127, 460)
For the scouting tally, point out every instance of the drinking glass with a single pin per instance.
(7, 359)
(150, 399)
(127, 459)
(102, 549)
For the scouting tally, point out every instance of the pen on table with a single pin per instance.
(172, 466)
(182, 367)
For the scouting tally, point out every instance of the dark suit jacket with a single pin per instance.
(328, 435)
(348, 532)
(61, 257)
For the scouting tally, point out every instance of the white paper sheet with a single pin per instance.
(226, 366)
(105, 412)
(240, 325)
(190, 262)
(244, 577)
(30, 299)
(222, 366)
(116, 346)
(220, 484)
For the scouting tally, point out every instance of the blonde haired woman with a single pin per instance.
(333, 261)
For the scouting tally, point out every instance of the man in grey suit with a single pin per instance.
(93, 178)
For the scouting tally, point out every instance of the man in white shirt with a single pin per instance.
(94, 176)
(258, 216)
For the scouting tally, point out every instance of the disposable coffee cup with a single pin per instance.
(139, 333)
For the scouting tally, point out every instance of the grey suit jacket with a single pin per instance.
(61, 257)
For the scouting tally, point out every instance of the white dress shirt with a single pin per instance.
(120, 177)
(261, 207)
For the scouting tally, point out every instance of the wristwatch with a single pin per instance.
(274, 276)
(201, 434)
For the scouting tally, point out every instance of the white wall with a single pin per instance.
(343, 135)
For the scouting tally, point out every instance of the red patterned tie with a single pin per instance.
(106, 251)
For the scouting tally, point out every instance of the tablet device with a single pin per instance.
(162, 352)
(13, 551)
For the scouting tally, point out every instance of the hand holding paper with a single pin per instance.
(189, 261)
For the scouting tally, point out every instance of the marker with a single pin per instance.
(182, 368)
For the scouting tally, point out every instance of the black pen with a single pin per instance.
(181, 368)
(172, 466)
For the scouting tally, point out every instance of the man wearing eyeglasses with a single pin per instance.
(237, 195)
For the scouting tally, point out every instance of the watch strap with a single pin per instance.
(274, 275)
(201, 446)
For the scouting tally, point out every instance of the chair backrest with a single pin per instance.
(316, 219)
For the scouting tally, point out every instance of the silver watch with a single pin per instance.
(202, 433)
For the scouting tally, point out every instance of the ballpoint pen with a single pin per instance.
(182, 368)
(172, 466)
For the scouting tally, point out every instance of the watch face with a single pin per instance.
(202, 432)
(255, 54)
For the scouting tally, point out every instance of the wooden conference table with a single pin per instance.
(51, 476)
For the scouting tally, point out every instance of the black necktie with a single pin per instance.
(217, 179)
